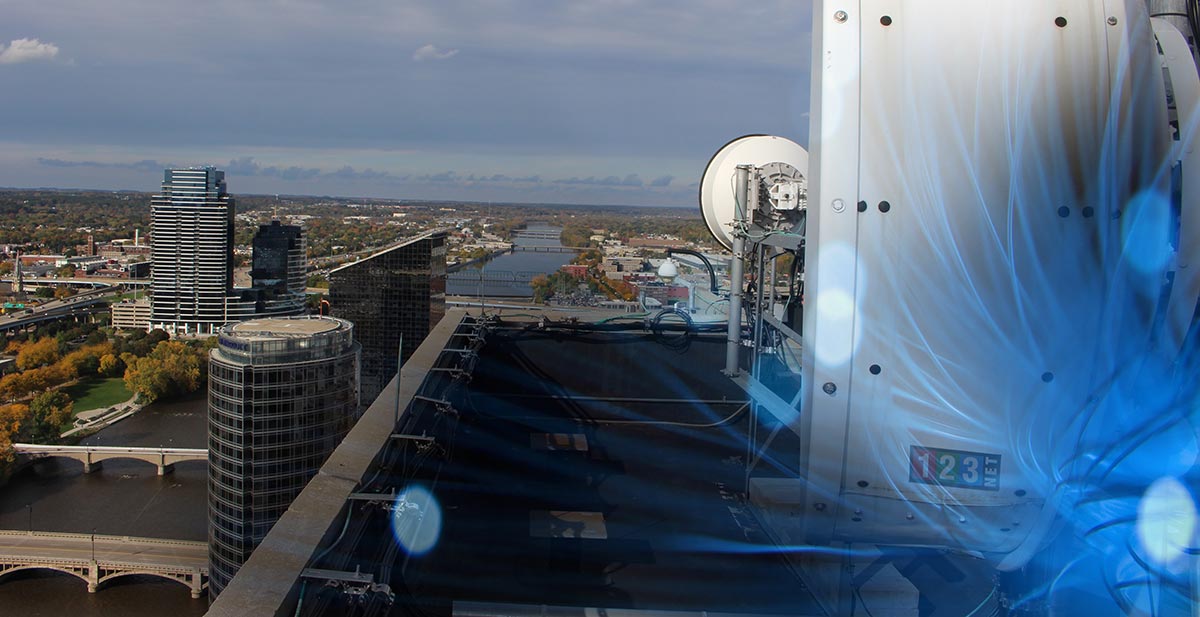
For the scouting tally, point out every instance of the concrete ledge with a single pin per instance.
(268, 582)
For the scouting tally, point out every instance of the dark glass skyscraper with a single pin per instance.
(278, 271)
(192, 278)
(400, 291)
(282, 394)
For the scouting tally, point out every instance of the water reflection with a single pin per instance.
(125, 497)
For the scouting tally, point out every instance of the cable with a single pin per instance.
(719, 423)
(861, 602)
(1193, 18)
(619, 317)
(982, 604)
(345, 526)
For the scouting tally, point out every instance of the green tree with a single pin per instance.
(48, 412)
(172, 368)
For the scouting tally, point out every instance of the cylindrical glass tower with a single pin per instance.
(282, 394)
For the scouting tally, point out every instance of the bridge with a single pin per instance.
(107, 282)
(537, 233)
(93, 456)
(472, 282)
(97, 559)
(80, 305)
(548, 249)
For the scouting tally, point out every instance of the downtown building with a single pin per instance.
(397, 294)
(283, 392)
(192, 278)
(278, 272)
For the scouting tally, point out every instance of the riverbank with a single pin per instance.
(95, 419)
(478, 260)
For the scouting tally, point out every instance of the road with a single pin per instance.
(56, 308)
(109, 549)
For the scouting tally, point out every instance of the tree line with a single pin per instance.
(36, 410)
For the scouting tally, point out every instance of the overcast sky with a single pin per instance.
(602, 101)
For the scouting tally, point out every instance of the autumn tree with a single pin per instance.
(44, 351)
(623, 289)
(12, 417)
(110, 366)
(172, 368)
(48, 412)
(16, 386)
(85, 361)
(63, 293)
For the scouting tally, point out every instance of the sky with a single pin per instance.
(600, 102)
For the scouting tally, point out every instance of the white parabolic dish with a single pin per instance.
(717, 184)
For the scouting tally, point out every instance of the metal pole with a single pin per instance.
(29, 506)
(1174, 11)
(399, 365)
(93, 544)
(733, 335)
(759, 302)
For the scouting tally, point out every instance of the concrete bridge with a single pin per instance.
(98, 559)
(549, 249)
(93, 456)
(540, 234)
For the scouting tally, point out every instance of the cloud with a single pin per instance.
(250, 176)
(144, 165)
(431, 52)
(243, 166)
(629, 180)
(502, 179)
(27, 50)
(247, 166)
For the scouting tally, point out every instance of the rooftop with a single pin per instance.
(570, 463)
(582, 468)
(279, 327)
(401, 244)
(279, 340)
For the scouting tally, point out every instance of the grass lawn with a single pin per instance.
(95, 392)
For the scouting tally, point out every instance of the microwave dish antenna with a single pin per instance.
(781, 186)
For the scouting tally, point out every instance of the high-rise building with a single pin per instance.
(279, 272)
(192, 280)
(283, 392)
(399, 292)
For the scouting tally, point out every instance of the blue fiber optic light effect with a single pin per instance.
(416, 520)
(1166, 522)
(1146, 226)
(1018, 307)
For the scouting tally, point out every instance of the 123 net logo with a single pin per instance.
(957, 468)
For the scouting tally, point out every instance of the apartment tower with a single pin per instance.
(282, 393)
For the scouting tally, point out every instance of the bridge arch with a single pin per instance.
(182, 579)
(64, 569)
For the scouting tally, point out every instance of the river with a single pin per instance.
(508, 275)
(124, 497)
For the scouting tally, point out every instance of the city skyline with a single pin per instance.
(609, 103)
